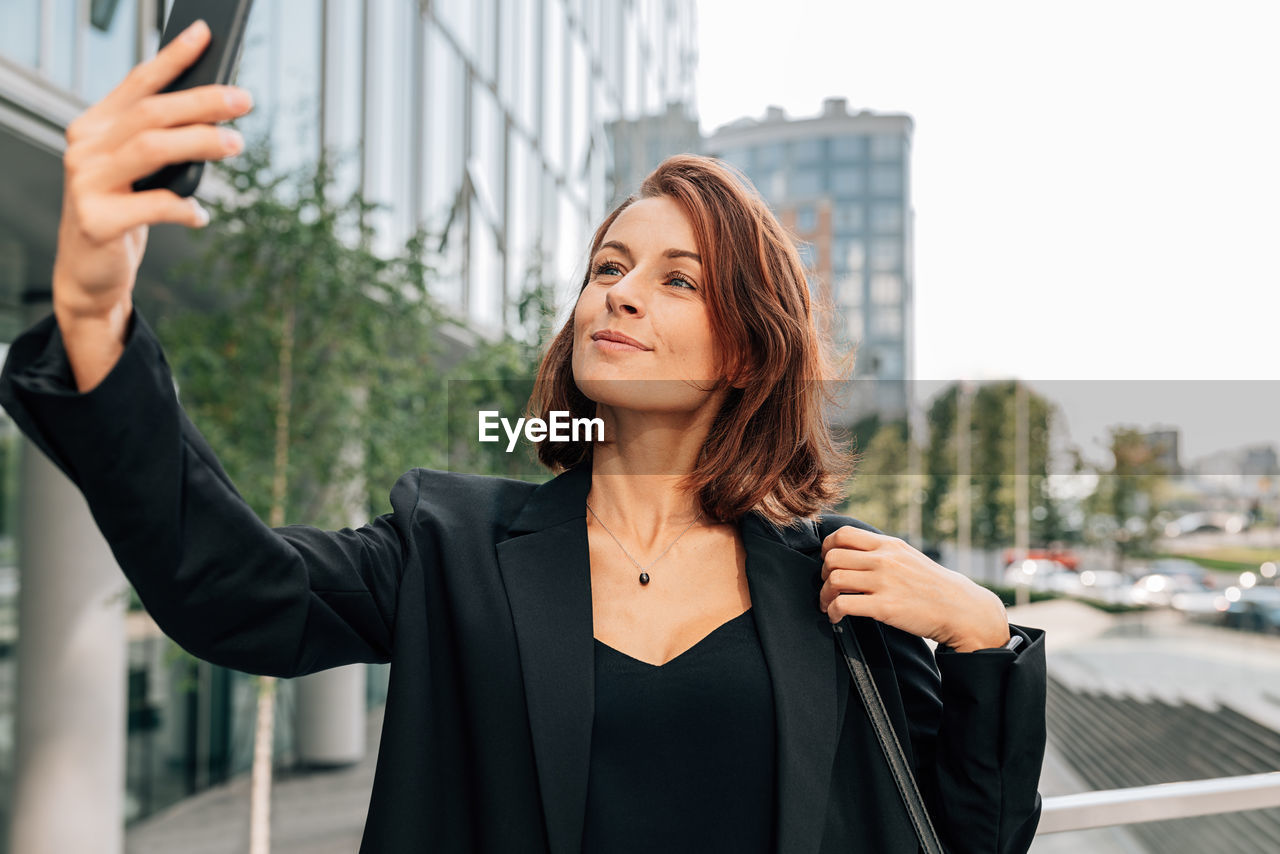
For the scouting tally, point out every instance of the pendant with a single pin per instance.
(644, 578)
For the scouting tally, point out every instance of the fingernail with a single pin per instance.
(239, 99)
(202, 215)
(231, 139)
(194, 33)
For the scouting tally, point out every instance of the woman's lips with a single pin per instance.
(612, 339)
(618, 346)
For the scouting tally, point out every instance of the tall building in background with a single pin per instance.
(841, 183)
(640, 144)
(483, 121)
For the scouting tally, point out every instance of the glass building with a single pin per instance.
(483, 121)
(841, 183)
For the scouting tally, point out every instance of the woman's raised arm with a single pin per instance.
(219, 581)
(102, 233)
(91, 387)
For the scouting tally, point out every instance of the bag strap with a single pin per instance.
(847, 641)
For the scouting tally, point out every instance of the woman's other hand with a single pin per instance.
(129, 134)
(902, 587)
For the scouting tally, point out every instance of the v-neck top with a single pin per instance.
(682, 753)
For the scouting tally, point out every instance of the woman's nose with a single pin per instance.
(624, 296)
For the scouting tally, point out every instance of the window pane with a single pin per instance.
(443, 135)
(853, 324)
(886, 322)
(886, 180)
(769, 156)
(847, 217)
(886, 218)
(807, 150)
(342, 98)
(553, 116)
(806, 182)
(849, 291)
(458, 17)
(510, 24)
(847, 181)
(485, 273)
(631, 71)
(522, 173)
(806, 218)
(109, 52)
(886, 289)
(529, 59)
(443, 162)
(487, 155)
(297, 52)
(740, 157)
(390, 114)
(484, 23)
(580, 83)
(886, 147)
(848, 255)
(20, 35)
(64, 42)
(571, 244)
(848, 148)
(886, 255)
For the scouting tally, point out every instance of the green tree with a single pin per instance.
(878, 491)
(311, 365)
(1129, 494)
(993, 464)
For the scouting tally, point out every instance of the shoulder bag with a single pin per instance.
(847, 642)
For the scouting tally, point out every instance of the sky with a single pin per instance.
(1096, 185)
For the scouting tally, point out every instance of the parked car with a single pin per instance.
(1105, 585)
(1257, 609)
(1202, 577)
(1034, 573)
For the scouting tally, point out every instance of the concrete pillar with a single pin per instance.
(329, 710)
(329, 717)
(69, 722)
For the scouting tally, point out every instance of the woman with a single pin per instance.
(635, 655)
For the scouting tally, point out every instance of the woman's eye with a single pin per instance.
(603, 269)
(682, 280)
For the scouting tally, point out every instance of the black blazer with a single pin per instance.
(477, 590)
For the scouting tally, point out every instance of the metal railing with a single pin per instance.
(1085, 810)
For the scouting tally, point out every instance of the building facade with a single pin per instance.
(841, 182)
(481, 121)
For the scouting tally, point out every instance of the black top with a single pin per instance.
(682, 754)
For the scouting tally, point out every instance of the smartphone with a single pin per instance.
(226, 20)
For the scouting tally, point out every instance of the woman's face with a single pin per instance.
(646, 283)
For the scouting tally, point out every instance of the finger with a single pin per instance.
(849, 537)
(847, 581)
(202, 105)
(105, 218)
(152, 149)
(158, 72)
(842, 558)
(857, 605)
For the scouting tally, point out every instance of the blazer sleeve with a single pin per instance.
(216, 579)
(977, 734)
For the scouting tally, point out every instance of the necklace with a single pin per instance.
(644, 575)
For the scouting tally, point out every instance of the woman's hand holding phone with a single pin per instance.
(102, 235)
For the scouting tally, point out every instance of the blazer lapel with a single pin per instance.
(545, 565)
(546, 570)
(799, 648)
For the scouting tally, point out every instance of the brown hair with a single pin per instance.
(770, 447)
